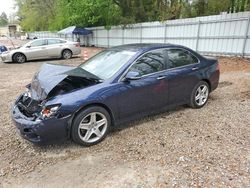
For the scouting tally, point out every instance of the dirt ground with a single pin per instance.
(209, 147)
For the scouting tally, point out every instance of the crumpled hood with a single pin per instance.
(51, 75)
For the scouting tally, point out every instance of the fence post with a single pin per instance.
(246, 37)
(141, 34)
(96, 38)
(108, 37)
(165, 34)
(123, 35)
(198, 36)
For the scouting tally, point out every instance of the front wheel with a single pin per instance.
(91, 126)
(199, 95)
(19, 58)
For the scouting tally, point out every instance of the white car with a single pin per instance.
(42, 49)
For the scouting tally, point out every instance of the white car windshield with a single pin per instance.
(105, 64)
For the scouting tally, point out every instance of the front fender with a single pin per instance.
(72, 102)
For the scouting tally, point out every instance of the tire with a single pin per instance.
(19, 58)
(85, 129)
(66, 54)
(200, 94)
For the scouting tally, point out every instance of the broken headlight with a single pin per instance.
(50, 110)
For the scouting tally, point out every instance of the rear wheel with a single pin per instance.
(66, 54)
(91, 126)
(199, 95)
(19, 58)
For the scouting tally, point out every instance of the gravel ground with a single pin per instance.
(209, 147)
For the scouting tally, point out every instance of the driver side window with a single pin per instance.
(149, 63)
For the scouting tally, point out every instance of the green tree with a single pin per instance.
(247, 5)
(239, 5)
(187, 10)
(134, 11)
(36, 15)
(58, 14)
(3, 19)
(215, 6)
(200, 7)
(85, 13)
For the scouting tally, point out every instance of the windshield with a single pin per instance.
(24, 45)
(105, 64)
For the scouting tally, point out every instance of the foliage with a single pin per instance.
(3, 19)
(35, 15)
(211, 7)
(85, 13)
(58, 14)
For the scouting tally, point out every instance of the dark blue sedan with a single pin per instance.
(117, 86)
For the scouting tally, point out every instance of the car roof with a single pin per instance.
(33, 40)
(48, 39)
(143, 46)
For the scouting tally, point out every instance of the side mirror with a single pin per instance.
(132, 75)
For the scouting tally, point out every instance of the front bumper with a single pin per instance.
(6, 57)
(39, 130)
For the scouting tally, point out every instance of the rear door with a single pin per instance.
(183, 74)
(37, 49)
(55, 47)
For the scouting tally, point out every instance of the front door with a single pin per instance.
(147, 93)
(37, 50)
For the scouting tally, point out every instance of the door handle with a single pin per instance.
(43, 47)
(160, 77)
(195, 68)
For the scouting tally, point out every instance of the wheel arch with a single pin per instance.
(208, 82)
(87, 106)
(66, 49)
(12, 57)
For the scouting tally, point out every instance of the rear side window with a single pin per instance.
(63, 41)
(149, 63)
(38, 43)
(54, 41)
(179, 58)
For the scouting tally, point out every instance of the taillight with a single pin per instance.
(77, 44)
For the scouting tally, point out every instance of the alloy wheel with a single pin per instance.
(67, 54)
(201, 95)
(92, 127)
(20, 58)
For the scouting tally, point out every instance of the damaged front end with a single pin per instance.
(32, 126)
(29, 107)
(52, 80)
(37, 121)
